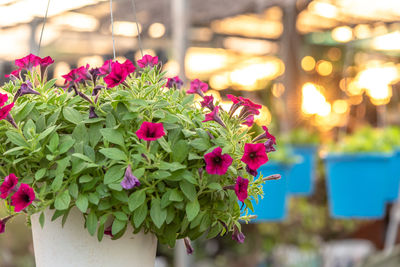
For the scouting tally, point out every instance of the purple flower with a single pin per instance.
(10, 182)
(251, 171)
(265, 135)
(25, 89)
(254, 155)
(3, 223)
(23, 197)
(189, 248)
(28, 62)
(94, 73)
(174, 82)
(147, 60)
(216, 162)
(108, 232)
(92, 113)
(213, 116)
(249, 121)
(44, 63)
(208, 101)
(119, 72)
(269, 146)
(197, 87)
(150, 131)
(241, 188)
(106, 68)
(76, 75)
(237, 235)
(129, 181)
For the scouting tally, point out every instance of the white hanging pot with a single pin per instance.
(72, 246)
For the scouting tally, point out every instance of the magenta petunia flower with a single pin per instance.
(118, 73)
(249, 121)
(130, 181)
(14, 75)
(234, 99)
(213, 116)
(237, 235)
(46, 61)
(108, 231)
(150, 131)
(254, 155)
(2, 226)
(76, 75)
(265, 135)
(249, 108)
(23, 197)
(174, 82)
(3, 99)
(106, 68)
(197, 87)
(269, 146)
(4, 111)
(208, 101)
(28, 62)
(241, 188)
(216, 162)
(147, 60)
(10, 182)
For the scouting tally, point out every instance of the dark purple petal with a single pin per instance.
(129, 181)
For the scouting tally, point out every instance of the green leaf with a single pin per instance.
(113, 153)
(117, 226)
(215, 186)
(83, 157)
(17, 138)
(120, 216)
(49, 84)
(171, 166)
(136, 199)
(46, 132)
(53, 143)
(91, 222)
(66, 144)
(140, 215)
(41, 219)
(94, 198)
(188, 99)
(85, 178)
(175, 195)
(82, 203)
(73, 190)
(57, 182)
(164, 144)
(200, 144)
(62, 200)
(40, 174)
(188, 189)
(113, 136)
(157, 214)
(114, 174)
(194, 156)
(192, 209)
(72, 115)
(24, 111)
(181, 150)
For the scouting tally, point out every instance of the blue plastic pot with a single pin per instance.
(394, 181)
(273, 207)
(302, 175)
(357, 184)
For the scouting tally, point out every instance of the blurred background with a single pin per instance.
(324, 70)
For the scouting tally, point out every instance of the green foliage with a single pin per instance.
(303, 136)
(73, 161)
(365, 139)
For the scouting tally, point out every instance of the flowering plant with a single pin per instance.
(124, 142)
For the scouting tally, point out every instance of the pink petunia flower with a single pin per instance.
(10, 182)
(216, 162)
(234, 99)
(213, 116)
(44, 64)
(23, 197)
(3, 99)
(76, 75)
(106, 68)
(254, 155)
(237, 235)
(174, 82)
(208, 101)
(130, 181)
(118, 73)
(14, 75)
(241, 188)
(197, 87)
(150, 131)
(147, 60)
(28, 62)
(4, 111)
(265, 135)
(249, 121)
(108, 231)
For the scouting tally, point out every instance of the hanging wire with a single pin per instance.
(44, 22)
(112, 28)
(137, 27)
